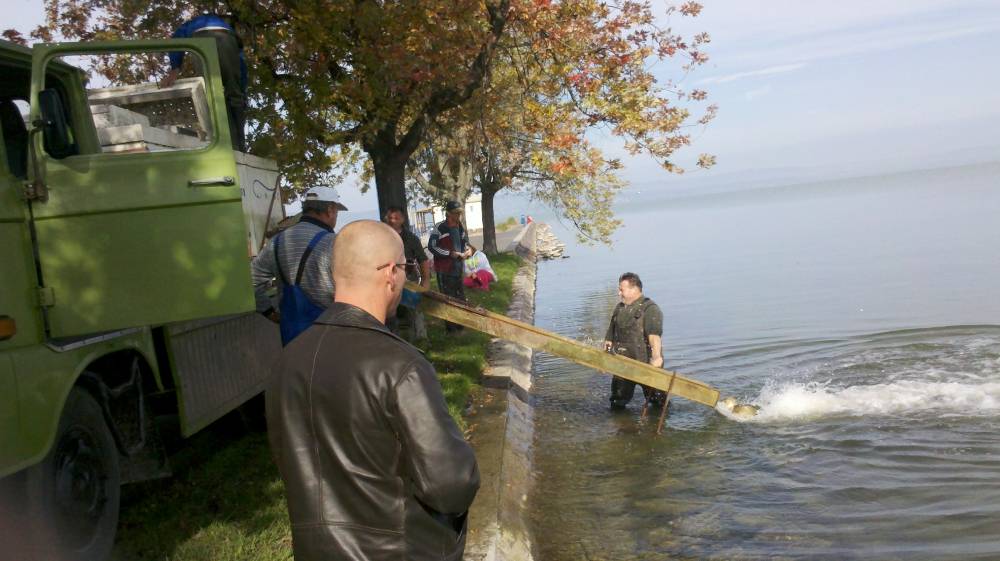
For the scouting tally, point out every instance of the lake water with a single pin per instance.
(863, 316)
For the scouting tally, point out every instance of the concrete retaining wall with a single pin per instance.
(503, 423)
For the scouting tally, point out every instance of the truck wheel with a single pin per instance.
(73, 494)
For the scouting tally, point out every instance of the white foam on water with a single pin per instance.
(813, 400)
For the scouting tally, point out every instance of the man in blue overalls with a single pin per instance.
(300, 258)
(232, 63)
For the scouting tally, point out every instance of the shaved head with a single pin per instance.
(366, 271)
(362, 247)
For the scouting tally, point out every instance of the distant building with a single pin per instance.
(423, 219)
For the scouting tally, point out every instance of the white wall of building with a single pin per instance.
(423, 218)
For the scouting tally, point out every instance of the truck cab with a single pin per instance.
(128, 226)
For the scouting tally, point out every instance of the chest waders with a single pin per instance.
(297, 311)
(630, 334)
(630, 339)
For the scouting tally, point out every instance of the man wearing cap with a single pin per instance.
(232, 65)
(300, 259)
(449, 244)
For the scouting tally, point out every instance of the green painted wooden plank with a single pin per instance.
(441, 306)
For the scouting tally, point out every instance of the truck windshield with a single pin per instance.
(136, 104)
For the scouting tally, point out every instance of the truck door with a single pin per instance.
(140, 220)
(17, 316)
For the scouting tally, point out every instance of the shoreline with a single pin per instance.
(504, 420)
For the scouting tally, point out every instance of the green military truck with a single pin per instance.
(126, 292)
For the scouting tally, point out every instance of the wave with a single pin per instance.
(815, 400)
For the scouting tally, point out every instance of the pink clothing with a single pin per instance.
(481, 280)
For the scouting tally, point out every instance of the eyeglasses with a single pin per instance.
(397, 265)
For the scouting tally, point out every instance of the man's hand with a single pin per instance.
(425, 273)
(655, 350)
(607, 346)
(170, 78)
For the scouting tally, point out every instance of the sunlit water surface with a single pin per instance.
(862, 316)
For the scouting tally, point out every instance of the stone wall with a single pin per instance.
(504, 431)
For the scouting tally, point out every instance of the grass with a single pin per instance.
(508, 224)
(461, 357)
(226, 501)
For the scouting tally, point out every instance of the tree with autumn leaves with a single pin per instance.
(329, 78)
(499, 141)
(334, 80)
(565, 69)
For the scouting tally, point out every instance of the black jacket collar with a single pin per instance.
(347, 315)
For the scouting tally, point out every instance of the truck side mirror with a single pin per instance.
(55, 133)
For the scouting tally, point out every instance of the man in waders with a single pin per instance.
(635, 330)
(232, 64)
(300, 258)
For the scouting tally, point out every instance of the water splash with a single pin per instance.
(815, 400)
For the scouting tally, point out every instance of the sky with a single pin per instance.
(811, 89)
(849, 87)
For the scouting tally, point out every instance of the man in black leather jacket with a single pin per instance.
(374, 467)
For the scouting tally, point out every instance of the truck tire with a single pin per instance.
(73, 494)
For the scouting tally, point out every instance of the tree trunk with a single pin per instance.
(489, 223)
(389, 157)
(390, 181)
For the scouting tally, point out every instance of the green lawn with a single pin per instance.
(226, 501)
(461, 357)
(508, 224)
